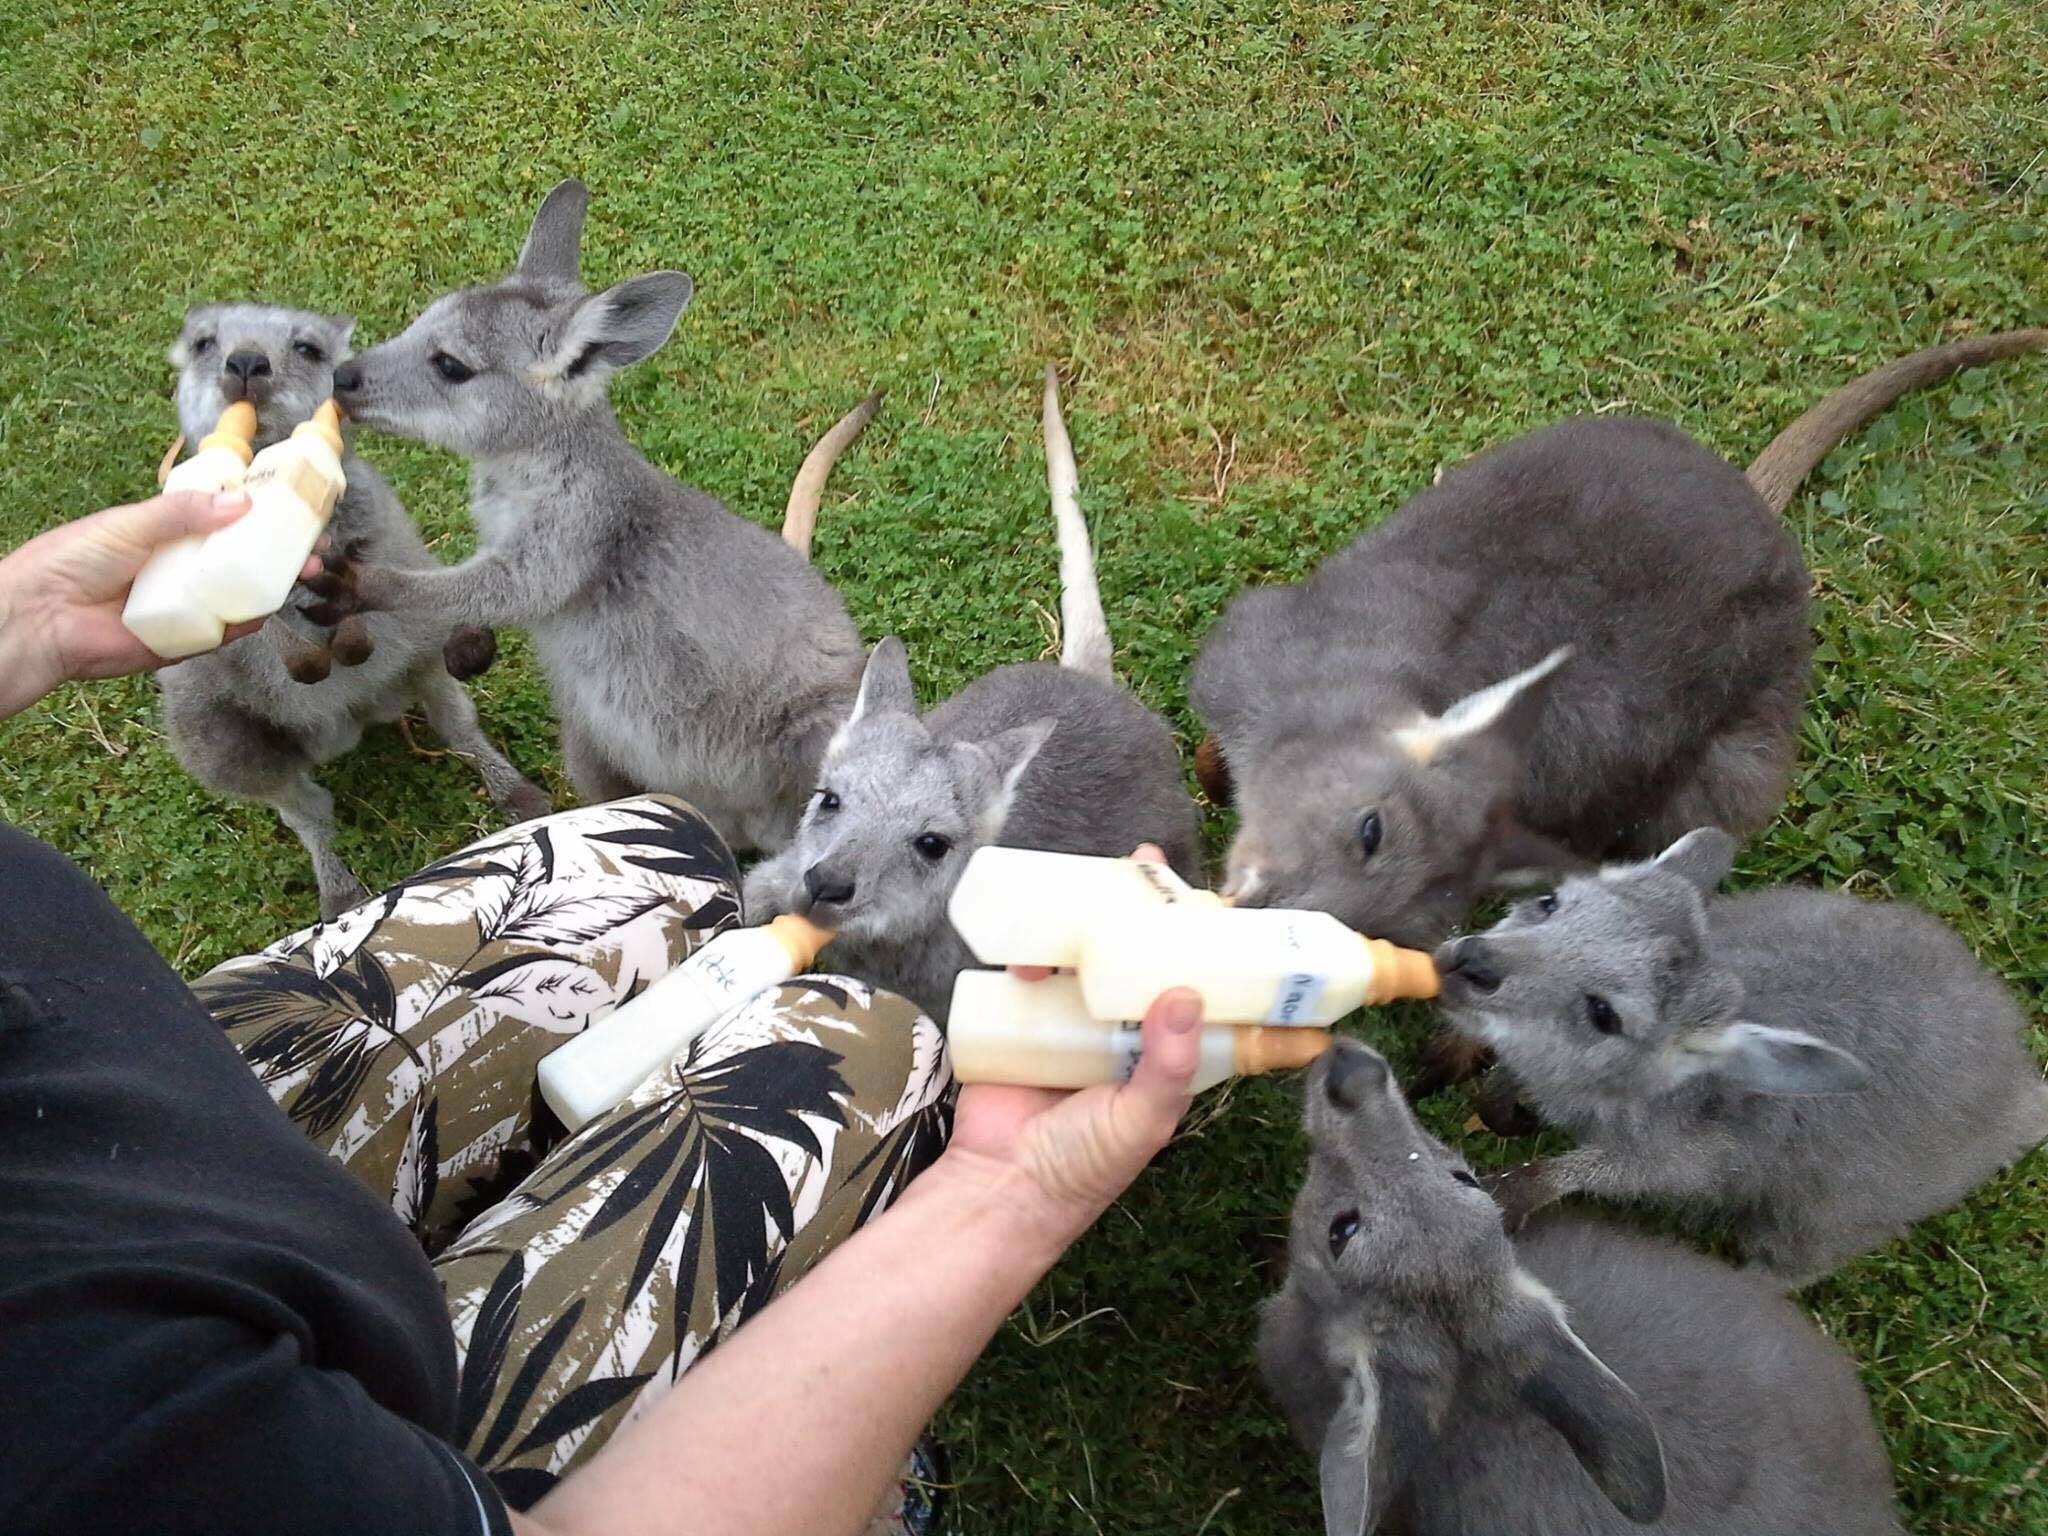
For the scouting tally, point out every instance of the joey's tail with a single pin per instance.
(1084, 633)
(1795, 452)
(800, 519)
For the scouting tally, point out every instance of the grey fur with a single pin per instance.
(1822, 1071)
(686, 649)
(1665, 571)
(1580, 1379)
(1028, 756)
(1682, 600)
(234, 718)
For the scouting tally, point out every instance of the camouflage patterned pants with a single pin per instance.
(583, 1278)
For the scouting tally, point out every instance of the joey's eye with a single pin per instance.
(453, 369)
(933, 846)
(1369, 831)
(827, 801)
(309, 351)
(1546, 904)
(201, 345)
(1342, 1230)
(1465, 1177)
(1601, 1016)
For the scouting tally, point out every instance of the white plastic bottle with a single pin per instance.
(248, 568)
(162, 610)
(1132, 930)
(1251, 965)
(1038, 1034)
(1020, 906)
(602, 1066)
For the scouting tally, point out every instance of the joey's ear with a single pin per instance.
(1507, 711)
(625, 323)
(1704, 856)
(1603, 1421)
(1761, 1058)
(885, 685)
(343, 326)
(551, 252)
(1345, 1466)
(1515, 858)
(1009, 753)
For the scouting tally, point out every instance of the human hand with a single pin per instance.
(61, 594)
(1066, 1155)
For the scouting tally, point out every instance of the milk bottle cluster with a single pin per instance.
(1128, 931)
(191, 590)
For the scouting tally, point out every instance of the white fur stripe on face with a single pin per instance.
(1474, 713)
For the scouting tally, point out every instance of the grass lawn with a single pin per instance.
(1295, 256)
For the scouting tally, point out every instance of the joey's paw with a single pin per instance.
(1500, 1106)
(469, 651)
(527, 802)
(351, 642)
(1212, 772)
(348, 584)
(1520, 1192)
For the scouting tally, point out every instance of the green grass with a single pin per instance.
(1295, 256)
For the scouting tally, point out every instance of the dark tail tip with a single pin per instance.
(1795, 452)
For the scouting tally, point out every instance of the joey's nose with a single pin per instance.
(348, 378)
(827, 887)
(248, 365)
(1471, 962)
(1352, 1073)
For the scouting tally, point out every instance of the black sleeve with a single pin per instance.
(206, 1325)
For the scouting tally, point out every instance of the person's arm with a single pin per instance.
(62, 592)
(799, 1421)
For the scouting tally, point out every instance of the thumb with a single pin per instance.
(161, 519)
(1163, 1083)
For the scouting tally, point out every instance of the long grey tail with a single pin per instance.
(1084, 632)
(800, 519)
(1795, 452)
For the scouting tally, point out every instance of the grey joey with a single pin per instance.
(1573, 647)
(236, 717)
(1820, 1070)
(1029, 756)
(686, 649)
(1449, 1381)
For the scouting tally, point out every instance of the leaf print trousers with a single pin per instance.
(583, 1275)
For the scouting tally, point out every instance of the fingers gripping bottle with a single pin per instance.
(249, 567)
(601, 1067)
(162, 610)
(1128, 938)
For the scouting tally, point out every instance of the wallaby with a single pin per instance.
(687, 649)
(1580, 1379)
(1574, 647)
(236, 718)
(1823, 1071)
(1029, 756)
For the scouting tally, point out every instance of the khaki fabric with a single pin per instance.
(584, 1277)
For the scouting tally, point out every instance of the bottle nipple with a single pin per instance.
(324, 423)
(235, 431)
(1399, 973)
(1260, 1049)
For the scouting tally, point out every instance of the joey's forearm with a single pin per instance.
(800, 1421)
(485, 590)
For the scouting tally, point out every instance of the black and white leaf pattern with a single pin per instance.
(489, 1338)
(419, 1168)
(579, 1408)
(340, 1026)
